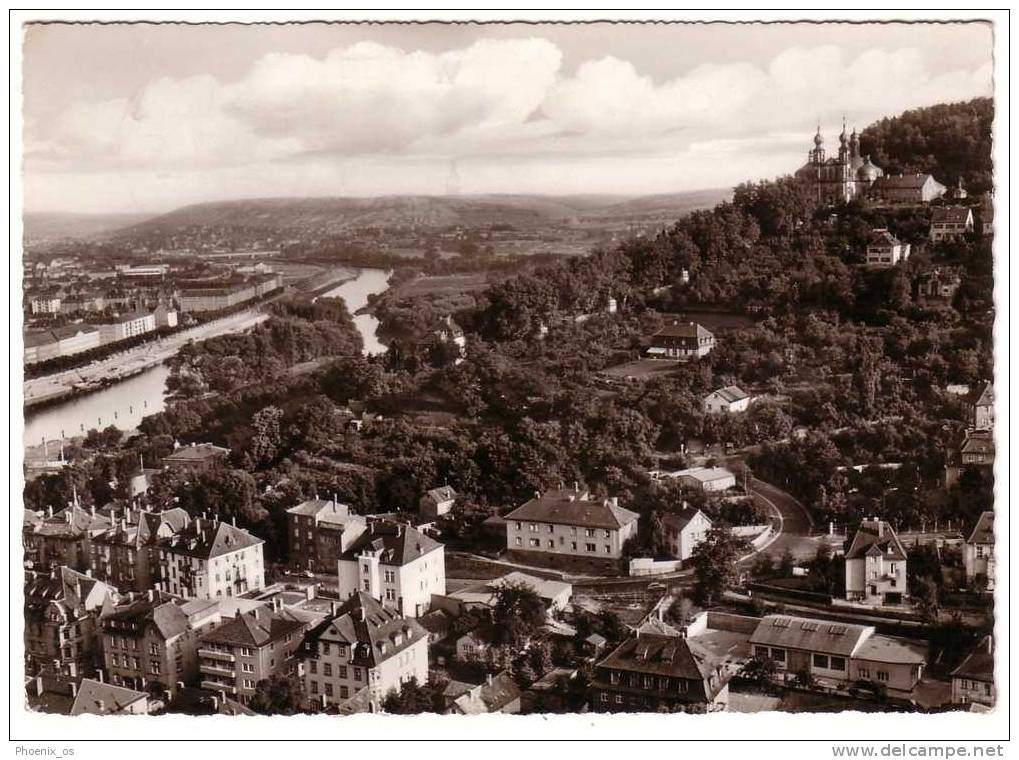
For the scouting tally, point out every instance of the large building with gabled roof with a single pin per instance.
(396, 564)
(209, 559)
(363, 645)
(319, 531)
(126, 554)
(681, 341)
(570, 523)
(99, 698)
(876, 565)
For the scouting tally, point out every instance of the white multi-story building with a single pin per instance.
(876, 565)
(396, 564)
(950, 222)
(127, 326)
(886, 250)
(363, 651)
(210, 559)
(684, 531)
(570, 523)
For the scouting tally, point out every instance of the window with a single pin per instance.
(682, 685)
(603, 697)
(778, 655)
(534, 543)
(245, 652)
(390, 595)
(519, 541)
(608, 549)
(592, 547)
(343, 671)
(153, 648)
(573, 545)
(619, 699)
(980, 552)
(390, 576)
(324, 647)
(247, 667)
(613, 677)
(344, 692)
(863, 672)
(314, 687)
(573, 531)
(519, 526)
(357, 674)
(364, 568)
(249, 683)
(329, 689)
(367, 585)
(821, 661)
(551, 529)
(313, 666)
(760, 651)
(551, 543)
(154, 667)
(838, 663)
(589, 532)
(608, 534)
(882, 675)
(327, 669)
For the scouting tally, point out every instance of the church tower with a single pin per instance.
(816, 156)
(844, 144)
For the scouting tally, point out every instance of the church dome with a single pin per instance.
(818, 140)
(868, 172)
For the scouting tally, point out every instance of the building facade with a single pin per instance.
(363, 646)
(395, 564)
(126, 555)
(570, 522)
(319, 532)
(978, 553)
(911, 189)
(841, 178)
(728, 400)
(886, 250)
(681, 342)
(127, 326)
(208, 559)
(682, 532)
(876, 565)
(950, 223)
(973, 679)
(41, 345)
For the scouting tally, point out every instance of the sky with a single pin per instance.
(144, 118)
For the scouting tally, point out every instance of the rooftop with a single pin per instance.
(98, 698)
(205, 539)
(983, 531)
(397, 543)
(573, 508)
(810, 635)
(255, 628)
(876, 537)
(197, 452)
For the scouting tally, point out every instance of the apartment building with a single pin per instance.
(42, 345)
(208, 559)
(950, 222)
(63, 609)
(64, 538)
(126, 555)
(978, 553)
(364, 648)
(570, 522)
(396, 564)
(973, 679)
(885, 250)
(319, 532)
(250, 647)
(152, 641)
(127, 326)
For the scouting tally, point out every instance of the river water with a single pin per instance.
(124, 404)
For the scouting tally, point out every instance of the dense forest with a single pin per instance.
(850, 359)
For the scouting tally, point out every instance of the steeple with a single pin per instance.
(844, 143)
(816, 156)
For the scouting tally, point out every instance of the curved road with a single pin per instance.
(796, 524)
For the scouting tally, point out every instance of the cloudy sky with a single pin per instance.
(128, 118)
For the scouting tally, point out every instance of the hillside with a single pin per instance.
(331, 215)
(950, 141)
(48, 227)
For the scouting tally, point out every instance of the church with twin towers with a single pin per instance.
(841, 178)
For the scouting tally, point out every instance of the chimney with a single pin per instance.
(151, 595)
(489, 679)
(880, 527)
(233, 520)
(277, 603)
(537, 494)
(39, 688)
(74, 689)
(333, 607)
(613, 501)
(99, 675)
(72, 669)
(49, 511)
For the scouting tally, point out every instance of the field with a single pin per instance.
(641, 369)
(441, 285)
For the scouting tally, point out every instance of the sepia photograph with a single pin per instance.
(588, 371)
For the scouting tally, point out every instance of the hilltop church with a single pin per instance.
(842, 179)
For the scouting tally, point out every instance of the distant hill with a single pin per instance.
(950, 141)
(331, 215)
(50, 227)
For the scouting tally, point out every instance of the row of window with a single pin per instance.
(327, 670)
(535, 527)
(660, 683)
(535, 543)
(327, 689)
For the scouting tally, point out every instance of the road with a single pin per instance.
(796, 524)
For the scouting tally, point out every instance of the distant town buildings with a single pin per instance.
(885, 250)
(497, 693)
(681, 341)
(876, 565)
(127, 326)
(218, 295)
(42, 345)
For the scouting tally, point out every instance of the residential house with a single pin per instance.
(450, 332)
(208, 559)
(63, 610)
(937, 286)
(839, 653)
(976, 450)
(978, 553)
(983, 408)
(439, 624)
(197, 457)
(396, 564)
(436, 503)
(471, 646)
(497, 694)
(907, 188)
(705, 479)
(250, 647)
(876, 565)
(319, 532)
(363, 644)
(681, 341)
(152, 641)
(570, 523)
(98, 698)
(885, 250)
(683, 531)
(973, 679)
(728, 400)
(550, 693)
(126, 555)
(656, 670)
(950, 222)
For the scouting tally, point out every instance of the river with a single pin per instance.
(124, 404)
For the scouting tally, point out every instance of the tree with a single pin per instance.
(714, 562)
(278, 695)
(786, 563)
(411, 698)
(518, 613)
(928, 599)
(759, 670)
